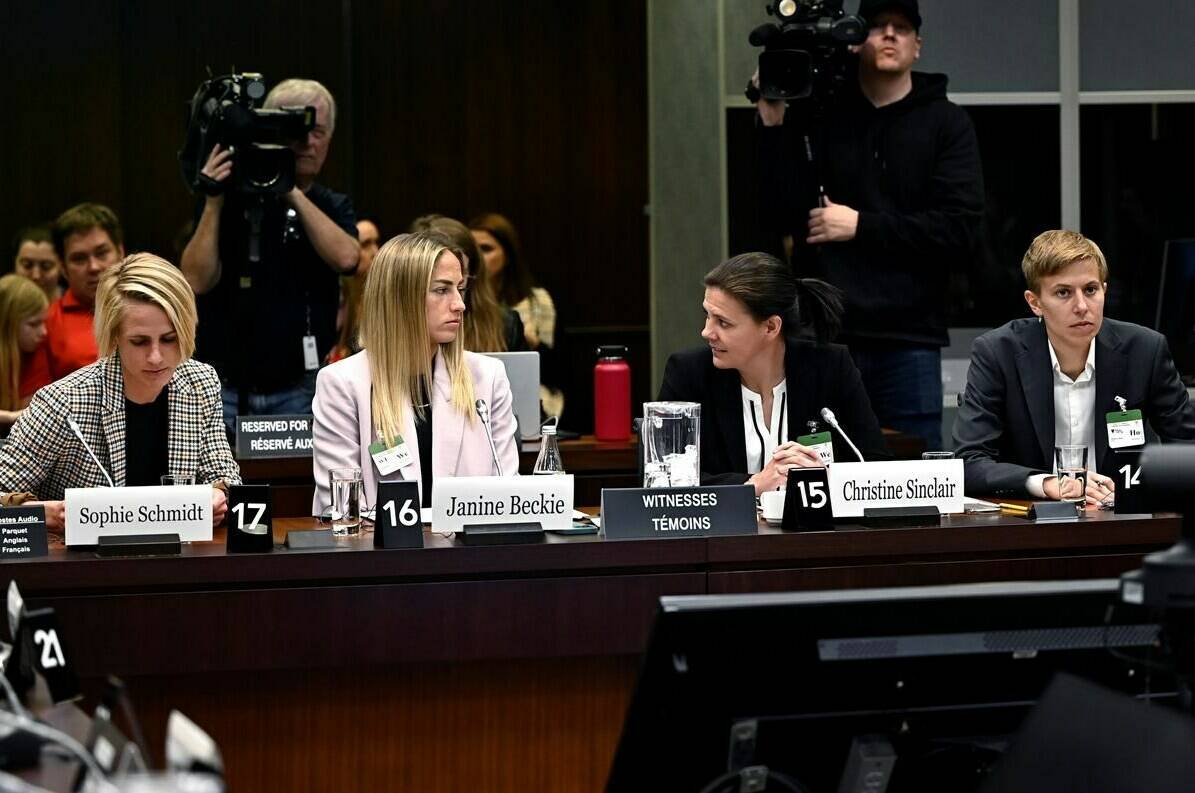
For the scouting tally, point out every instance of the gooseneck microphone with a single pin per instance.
(828, 416)
(70, 420)
(483, 412)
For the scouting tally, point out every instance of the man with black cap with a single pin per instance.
(883, 195)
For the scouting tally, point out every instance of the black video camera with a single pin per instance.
(227, 110)
(805, 53)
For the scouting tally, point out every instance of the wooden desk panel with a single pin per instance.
(502, 668)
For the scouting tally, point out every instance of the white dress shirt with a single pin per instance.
(762, 439)
(1074, 415)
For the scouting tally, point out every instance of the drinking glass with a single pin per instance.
(169, 480)
(1072, 473)
(345, 484)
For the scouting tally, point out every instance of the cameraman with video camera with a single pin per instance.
(879, 183)
(266, 263)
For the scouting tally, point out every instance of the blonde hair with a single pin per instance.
(20, 299)
(1052, 251)
(484, 325)
(395, 335)
(144, 278)
(300, 93)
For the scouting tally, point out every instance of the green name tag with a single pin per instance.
(822, 443)
(1125, 429)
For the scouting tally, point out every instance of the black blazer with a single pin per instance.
(818, 377)
(1005, 427)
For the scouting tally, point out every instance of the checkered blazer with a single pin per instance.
(43, 456)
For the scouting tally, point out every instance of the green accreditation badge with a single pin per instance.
(1125, 429)
(820, 442)
(389, 460)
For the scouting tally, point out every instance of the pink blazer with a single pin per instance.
(344, 429)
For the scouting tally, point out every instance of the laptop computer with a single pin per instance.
(522, 369)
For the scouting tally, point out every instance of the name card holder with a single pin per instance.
(310, 540)
(250, 519)
(112, 545)
(901, 517)
(396, 522)
(501, 533)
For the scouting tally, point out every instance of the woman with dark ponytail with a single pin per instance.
(765, 373)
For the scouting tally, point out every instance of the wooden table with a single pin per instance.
(496, 668)
(594, 464)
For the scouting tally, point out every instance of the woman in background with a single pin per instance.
(499, 245)
(22, 332)
(38, 261)
(404, 408)
(489, 326)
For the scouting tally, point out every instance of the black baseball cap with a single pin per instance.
(869, 8)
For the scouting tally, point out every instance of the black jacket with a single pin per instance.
(912, 171)
(818, 377)
(1005, 427)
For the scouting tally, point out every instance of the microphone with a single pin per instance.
(828, 416)
(483, 412)
(79, 434)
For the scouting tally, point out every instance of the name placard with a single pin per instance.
(95, 512)
(855, 487)
(22, 533)
(274, 436)
(461, 500)
(636, 513)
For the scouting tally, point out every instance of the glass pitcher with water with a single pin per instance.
(671, 436)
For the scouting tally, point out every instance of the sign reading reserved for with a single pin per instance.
(273, 436)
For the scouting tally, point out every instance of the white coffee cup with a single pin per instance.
(772, 504)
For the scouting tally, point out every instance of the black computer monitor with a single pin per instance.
(799, 682)
(1175, 318)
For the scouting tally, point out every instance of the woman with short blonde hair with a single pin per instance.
(145, 394)
(412, 393)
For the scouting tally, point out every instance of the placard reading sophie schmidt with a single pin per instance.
(22, 533)
(273, 436)
(642, 513)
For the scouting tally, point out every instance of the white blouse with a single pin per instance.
(762, 439)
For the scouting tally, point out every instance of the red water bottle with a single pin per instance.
(612, 394)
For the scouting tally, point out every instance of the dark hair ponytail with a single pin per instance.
(820, 306)
(767, 287)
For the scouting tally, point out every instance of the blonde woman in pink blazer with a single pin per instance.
(404, 407)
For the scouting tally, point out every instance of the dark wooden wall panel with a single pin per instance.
(534, 109)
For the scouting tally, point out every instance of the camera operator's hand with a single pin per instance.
(832, 223)
(218, 168)
(771, 111)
